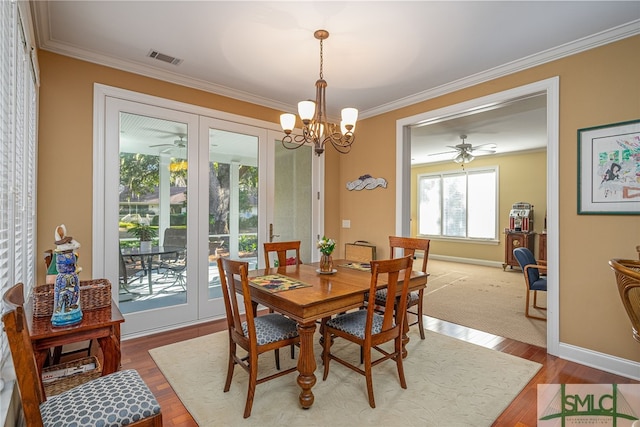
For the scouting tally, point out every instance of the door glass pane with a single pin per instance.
(152, 213)
(292, 211)
(233, 201)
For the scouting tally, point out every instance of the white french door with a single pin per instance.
(218, 181)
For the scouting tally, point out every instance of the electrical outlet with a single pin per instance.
(346, 223)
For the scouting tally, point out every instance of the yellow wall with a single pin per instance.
(523, 178)
(596, 87)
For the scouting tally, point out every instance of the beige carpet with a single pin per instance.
(450, 382)
(484, 298)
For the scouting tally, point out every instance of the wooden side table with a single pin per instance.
(542, 246)
(102, 324)
(516, 239)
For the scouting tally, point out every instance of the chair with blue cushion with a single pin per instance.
(409, 246)
(368, 328)
(117, 399)
(257, 334)
(534, 276)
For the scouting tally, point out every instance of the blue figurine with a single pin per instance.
(66, 296)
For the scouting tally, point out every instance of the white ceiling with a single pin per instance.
(381, 55)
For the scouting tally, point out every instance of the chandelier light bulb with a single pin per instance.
(306, 110)
(288, 122)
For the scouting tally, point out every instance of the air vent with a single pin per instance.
(164, 58)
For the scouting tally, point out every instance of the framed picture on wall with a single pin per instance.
(609, 169)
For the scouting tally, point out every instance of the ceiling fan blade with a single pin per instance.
(490, 146)
(483, 151)
(444, 152)
(161, 145)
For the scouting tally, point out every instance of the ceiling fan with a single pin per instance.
(178, 143)
(464, 152)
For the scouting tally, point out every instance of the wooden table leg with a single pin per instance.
(41, 358)
(111, 353)
(306, 363)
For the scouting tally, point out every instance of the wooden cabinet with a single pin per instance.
(516, 240)
(542, 247)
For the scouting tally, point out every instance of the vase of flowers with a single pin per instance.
(326, 247)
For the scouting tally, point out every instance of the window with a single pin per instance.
(461, 205)
(18, 109)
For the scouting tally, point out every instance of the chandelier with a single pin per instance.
(317, 129)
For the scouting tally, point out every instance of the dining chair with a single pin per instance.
(409, 246)
(117, 399)
(257, 334)
(628, 280)
(534, 277)
(368, 328)
(282, 249)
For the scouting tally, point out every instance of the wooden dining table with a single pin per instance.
(328, 294)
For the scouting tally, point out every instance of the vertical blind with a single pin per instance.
(18, 139)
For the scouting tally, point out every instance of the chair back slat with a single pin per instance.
(410, 245)
(392, 268)
(281, 249)
(627, 273)
(234, 281)
(15, 326)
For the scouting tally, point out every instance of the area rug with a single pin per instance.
(450, 382)
(484, 298)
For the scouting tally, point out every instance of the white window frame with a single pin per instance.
(18, 166)
(467, 173)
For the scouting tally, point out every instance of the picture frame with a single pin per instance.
(609, 169)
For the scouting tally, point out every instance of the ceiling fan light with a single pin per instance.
(459, 158)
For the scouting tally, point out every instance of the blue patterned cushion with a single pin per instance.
(272, 327)
(381, 297)
(354, 323)
(114, 400)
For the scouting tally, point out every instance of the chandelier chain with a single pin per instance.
(321, 61)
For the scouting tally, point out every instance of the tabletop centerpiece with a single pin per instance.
(326, 247)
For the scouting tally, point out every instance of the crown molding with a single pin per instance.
(599, 39)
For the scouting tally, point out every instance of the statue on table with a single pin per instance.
(66, 296)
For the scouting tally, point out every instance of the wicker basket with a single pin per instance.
(63, 384)
(94, 294)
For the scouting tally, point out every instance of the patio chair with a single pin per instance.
(175, 264)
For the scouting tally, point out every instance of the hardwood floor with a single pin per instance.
(521, 412)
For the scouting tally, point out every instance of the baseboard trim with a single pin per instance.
(474, 261)
(602, 361)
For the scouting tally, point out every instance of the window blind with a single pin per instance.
(18, 148)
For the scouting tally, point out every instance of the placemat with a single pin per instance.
(278, 283)
(357, 266)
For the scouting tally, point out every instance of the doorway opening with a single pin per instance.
(550, 88)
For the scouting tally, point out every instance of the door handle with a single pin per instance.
(271, 235)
